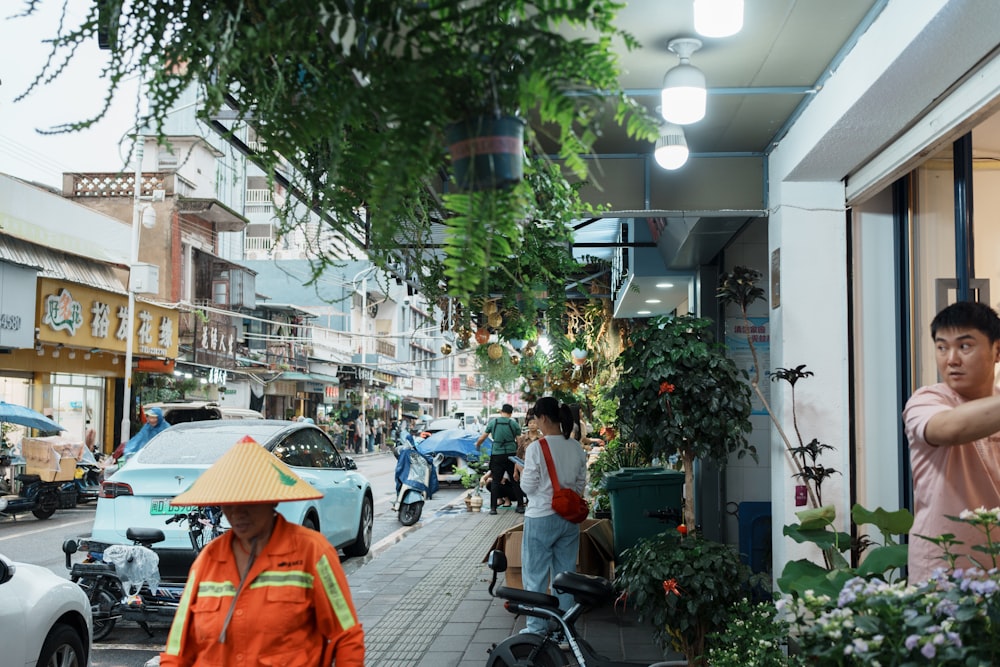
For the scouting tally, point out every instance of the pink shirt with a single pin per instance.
(947, 480)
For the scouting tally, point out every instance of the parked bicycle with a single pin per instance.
(123, 582)
(534, 650)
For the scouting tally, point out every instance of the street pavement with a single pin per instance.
(423, 599)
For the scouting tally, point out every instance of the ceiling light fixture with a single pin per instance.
(653, 301)
(683, 96)
(718, 18)
(671, 150)
(664, 285)
(643, 312)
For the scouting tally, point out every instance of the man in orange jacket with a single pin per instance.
(267, 591)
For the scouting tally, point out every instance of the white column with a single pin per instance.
(807, 233)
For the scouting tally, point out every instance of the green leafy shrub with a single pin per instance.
(755, 635)
(684, 585)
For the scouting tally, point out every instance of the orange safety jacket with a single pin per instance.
(294, 609)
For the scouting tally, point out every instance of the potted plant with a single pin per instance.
(950, 619)
(685, 585)
(469, 479)
(678, 393)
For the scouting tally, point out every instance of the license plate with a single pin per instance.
(163, 506)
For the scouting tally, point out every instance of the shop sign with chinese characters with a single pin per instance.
(215, 342)
(87, 317)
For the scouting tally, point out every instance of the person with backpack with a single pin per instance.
(504, 432)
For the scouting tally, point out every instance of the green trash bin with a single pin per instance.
(644, 502)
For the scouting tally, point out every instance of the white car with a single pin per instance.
(139, 494)
(44, 618)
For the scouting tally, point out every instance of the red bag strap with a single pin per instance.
(549, 464)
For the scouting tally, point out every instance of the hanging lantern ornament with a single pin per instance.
(482, 335)
(579, 356)
(446, 349)
(494, 351)
(495, 320)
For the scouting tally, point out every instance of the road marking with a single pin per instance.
(102, 646)
(60, 526)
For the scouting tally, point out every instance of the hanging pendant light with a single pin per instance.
(718, 18)
(671, 150)
(683, 97)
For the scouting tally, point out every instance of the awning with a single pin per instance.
(214, 211)
(295, 376)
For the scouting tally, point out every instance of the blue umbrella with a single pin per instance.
(18, 414)
(455, 442)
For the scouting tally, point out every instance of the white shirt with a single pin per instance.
(571, 466)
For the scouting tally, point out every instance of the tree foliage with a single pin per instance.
(349, 101)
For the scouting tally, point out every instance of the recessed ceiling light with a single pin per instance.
(664, 285)
(653, 301)
(642, 312)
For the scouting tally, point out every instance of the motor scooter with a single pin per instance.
(416, 481)
(124, 582)
(40, 498)
(87, 480)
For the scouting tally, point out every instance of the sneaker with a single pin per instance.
(493, 511)
(520, 509)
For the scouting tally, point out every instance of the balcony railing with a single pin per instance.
(255, 243)
(385, 348)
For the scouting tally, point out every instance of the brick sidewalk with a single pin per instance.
(423, 601)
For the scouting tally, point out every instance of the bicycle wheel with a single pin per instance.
(517, 651)
(102, 608)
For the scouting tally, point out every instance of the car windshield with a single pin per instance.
(203, 445)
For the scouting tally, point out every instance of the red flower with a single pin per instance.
(670, 586)
(666, 388)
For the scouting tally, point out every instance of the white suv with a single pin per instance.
(44, 618)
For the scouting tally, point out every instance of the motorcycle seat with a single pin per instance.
(586, 589)
(528, 597)
(145, 536)
(91, 569)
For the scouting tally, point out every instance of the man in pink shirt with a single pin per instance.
(954, 432)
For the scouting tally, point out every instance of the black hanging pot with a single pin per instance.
(486, 153)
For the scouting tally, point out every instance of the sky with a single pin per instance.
(76, 95)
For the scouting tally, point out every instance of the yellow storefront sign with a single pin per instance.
(83, 316)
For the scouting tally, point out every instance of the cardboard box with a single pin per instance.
(51, 458)
(595, 556)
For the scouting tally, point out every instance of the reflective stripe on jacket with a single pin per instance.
(294, 609)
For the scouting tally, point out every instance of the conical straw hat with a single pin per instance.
(246, 474)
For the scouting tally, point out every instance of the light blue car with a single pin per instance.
(139, 495)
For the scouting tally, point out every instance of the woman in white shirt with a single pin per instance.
(550, 542)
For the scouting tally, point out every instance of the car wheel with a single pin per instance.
(62, 648)
(310, 523)
(363, 540)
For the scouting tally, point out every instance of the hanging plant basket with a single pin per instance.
(486, 153)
